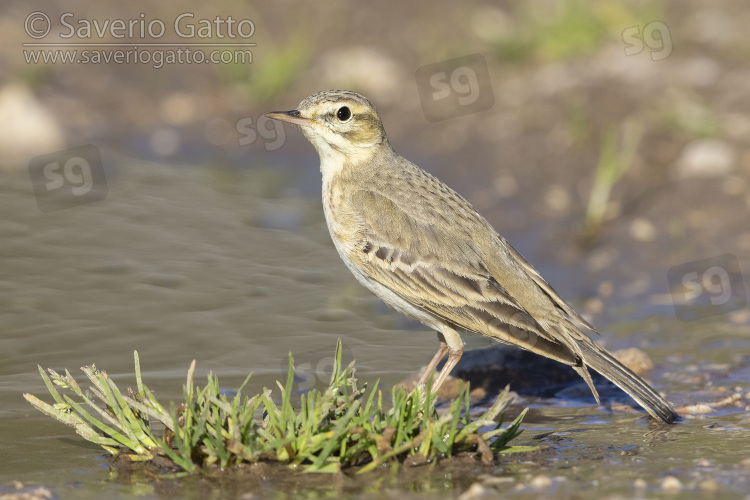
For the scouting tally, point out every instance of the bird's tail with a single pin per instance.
(607, 365)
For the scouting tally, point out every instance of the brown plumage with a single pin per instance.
(427, 253)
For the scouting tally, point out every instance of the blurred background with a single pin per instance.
(146, 203)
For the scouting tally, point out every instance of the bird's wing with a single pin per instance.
(546, 287)
(440, 269)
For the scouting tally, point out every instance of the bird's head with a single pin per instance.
(342, 125)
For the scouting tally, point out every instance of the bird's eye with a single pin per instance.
(344, 113)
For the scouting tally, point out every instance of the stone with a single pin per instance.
(706, 158)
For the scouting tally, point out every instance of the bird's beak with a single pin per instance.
(291, 117)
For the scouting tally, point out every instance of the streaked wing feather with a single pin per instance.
(418, 262)
(546, 287)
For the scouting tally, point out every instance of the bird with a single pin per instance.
(426, 252)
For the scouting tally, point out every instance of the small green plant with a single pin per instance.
(282, 65)
(614, 160)
(564, 30)
(341, 426)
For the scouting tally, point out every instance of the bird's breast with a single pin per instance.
(341, 219)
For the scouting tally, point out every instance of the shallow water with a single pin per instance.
(236, 269)
(180, 264)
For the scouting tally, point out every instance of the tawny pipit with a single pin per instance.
(427, 253)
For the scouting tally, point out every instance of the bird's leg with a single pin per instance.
(455, 349)
(434, 361)
(453, 358)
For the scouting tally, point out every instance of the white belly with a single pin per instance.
(381, 291)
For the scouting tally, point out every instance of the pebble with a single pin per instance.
(27, 128)
(696, 409)
(708, 486)
(181, 108)
(557, 198)
(606, 288)
(19, 491)
(541, 482)
(476, 490)
(671, 485)
(642, 230)
(706, 158)
(594, 306)
(640, 484)
(741, 316)
(635, 359)
(729, 400)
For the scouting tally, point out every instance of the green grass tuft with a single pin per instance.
(615, 159)
(339, 427)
